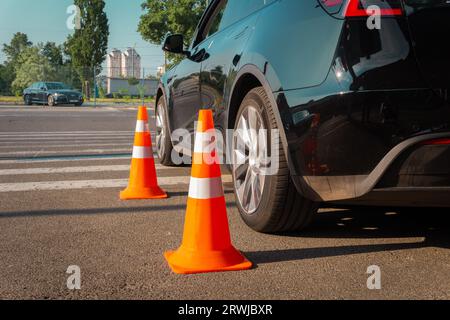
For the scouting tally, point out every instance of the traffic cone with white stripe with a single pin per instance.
(143, 183)
(206, 245)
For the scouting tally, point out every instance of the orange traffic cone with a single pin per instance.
(143, 182)
(206, 243)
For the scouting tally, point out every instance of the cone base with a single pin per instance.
(205, 267)
(143, 194)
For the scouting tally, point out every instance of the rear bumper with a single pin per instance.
(343, 146)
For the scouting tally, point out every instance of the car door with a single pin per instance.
(41, 95)
(224, 41)
(32, 91)
(185, 91)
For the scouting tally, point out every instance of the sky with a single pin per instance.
(45, 20)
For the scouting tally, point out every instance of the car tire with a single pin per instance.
(27, 100)
(51, 101)
(280, 208)
(163, 141)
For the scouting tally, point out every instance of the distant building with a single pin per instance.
(114, 64)
(131, 64)
(121, 66)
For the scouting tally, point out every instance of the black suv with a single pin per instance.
(51, 93)
(359, 90)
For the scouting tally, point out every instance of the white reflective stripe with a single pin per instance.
(142, 153)
(142, 126)
(206, 188)
(204, 142)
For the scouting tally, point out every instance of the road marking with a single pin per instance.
(26, 171)
(68, 159)
(77, 152)
(50, 146)
(54, 132)
(90, 184)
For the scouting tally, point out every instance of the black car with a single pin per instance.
(358, 89)
(52, 94)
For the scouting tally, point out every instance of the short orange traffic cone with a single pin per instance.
(206, 243)
(143, 182)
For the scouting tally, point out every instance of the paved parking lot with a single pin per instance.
(61, 170)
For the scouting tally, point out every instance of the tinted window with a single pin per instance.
(215, 22)
(239, 9)
(56, 86)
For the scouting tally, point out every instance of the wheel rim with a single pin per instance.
(248, 153)
(160, 131)
(50, 101)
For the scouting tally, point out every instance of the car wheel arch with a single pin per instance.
(251, 71)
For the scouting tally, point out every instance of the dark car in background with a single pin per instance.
(363, 111)
(52, 94)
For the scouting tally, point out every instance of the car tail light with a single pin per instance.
(437, 142)
(359, 8)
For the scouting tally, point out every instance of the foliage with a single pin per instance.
(133, 81)
(141, 90)
(170, 16)
(88, 46)
(18, 44)
(32, 66)
(54, 53)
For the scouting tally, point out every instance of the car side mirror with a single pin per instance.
(43, 89)
(174, 43)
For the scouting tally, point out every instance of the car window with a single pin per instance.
(55, 86)
(215, 22)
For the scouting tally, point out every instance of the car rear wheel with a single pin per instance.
(163, 141)
(267, 203)
(27, 100)
(51, 101)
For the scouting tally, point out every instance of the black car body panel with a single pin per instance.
(353, 103)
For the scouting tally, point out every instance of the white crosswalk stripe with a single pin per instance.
(89, 184)
(125, 168)
(33, 150)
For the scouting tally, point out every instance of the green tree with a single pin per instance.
(32, 66)
(3, 80)
(170, 16)
(88, 46)
(54, 53)
(18, 44)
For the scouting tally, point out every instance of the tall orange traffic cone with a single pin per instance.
(206, 245)
(143, 182)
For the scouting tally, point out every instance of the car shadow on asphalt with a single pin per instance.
(432, 225)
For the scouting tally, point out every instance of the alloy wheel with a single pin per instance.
(161, 134)
(249, 155)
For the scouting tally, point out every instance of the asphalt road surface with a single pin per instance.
(61, 170)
